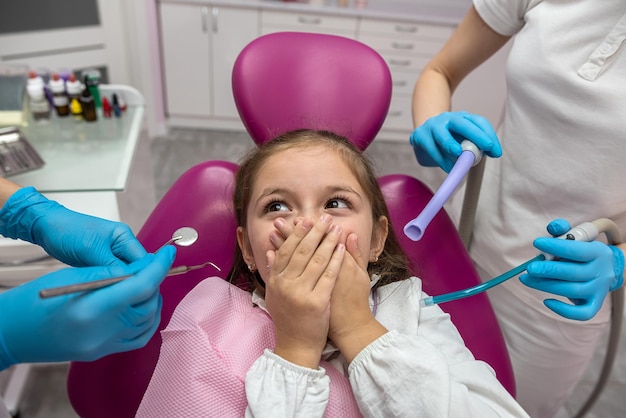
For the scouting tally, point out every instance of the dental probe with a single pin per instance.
(587, 231)
(97, 284)
(470, 156)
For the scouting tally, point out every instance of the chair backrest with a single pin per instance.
(282, 82)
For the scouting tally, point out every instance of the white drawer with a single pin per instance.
(403, 82)
(305, 22)
(399, 115)
(273, 29)
(399, 45)
(405, 29)
(413, 63)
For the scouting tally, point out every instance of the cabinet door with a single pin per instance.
(232, 30)
(185, 41)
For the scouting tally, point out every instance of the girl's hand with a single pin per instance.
(352, 324)
(303, 271)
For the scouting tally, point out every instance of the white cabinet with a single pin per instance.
(407, 48)
(199, 47)
(186, 43)
(278, 21)
(200, 42)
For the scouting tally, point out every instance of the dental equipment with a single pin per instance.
(470, 156)
(184, 237)
(587, 231)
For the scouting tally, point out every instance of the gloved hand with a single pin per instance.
(437, 142)
(585, 273)
(73, 238)
(87, 325)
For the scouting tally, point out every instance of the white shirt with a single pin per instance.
(563, 137)
(421, 367)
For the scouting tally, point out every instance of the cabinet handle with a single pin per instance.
(402, 46)
(400, 83)
(215, 13)
(205, 14)
(309, 21)
(400, 63)
(395, 113)
(406, 29)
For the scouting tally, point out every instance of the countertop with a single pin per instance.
(428, 11)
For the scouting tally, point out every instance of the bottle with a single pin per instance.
(106, 108)
(88, 105)
(92, 81)
(73, 87)
(117, 111)
(77, 110)
(59, 98)
(37, 102)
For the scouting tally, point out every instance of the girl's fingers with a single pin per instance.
(326, 283)
(352, 244)
(320, 260)
(283, 230)
(301, 255)
(286, 250)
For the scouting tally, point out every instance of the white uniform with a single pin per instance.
(421, 367)
(564, 155)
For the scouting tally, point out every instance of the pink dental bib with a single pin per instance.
(213, 337)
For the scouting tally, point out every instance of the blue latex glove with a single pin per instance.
(585, 273)
(437, 142)
(73, 238)
(87, 325)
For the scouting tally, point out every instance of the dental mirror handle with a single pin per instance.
(470, 156)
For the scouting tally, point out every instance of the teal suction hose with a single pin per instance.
(479, 288)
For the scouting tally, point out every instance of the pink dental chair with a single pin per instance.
(281, 82)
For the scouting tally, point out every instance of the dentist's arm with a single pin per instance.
(436, 139)
(87, 325)
(73, 238)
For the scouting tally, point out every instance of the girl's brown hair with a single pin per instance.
(392, 263)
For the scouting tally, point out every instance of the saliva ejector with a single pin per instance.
(587, 231)
(470, 156)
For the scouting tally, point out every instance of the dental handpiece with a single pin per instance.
(470, 156)
(587, 231)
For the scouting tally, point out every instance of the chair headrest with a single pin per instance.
(291, 80)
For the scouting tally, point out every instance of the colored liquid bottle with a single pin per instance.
(89, 106)
(59, 99)
(106, 107)
(77, 110)
(91, 79)
(37, 101)
(117, 110)
(73, 87)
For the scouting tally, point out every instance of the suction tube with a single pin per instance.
(470, 156)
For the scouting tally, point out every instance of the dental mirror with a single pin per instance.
(183, 237)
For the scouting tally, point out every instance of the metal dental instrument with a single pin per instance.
(185, 237)
(587, 231)
(470, 156)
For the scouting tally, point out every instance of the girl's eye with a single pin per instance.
(337, 204)
(276, 207)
